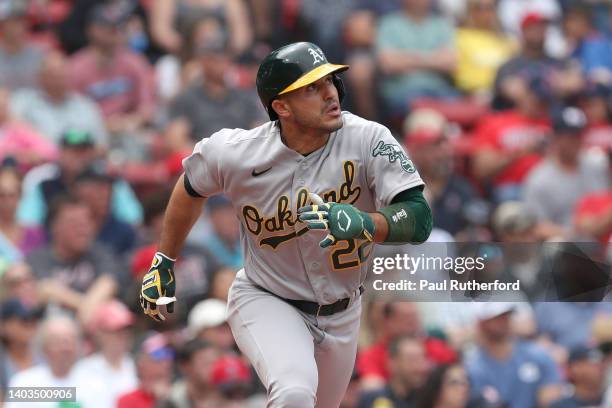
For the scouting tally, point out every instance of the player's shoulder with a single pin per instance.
(232, 137)
(359, 127)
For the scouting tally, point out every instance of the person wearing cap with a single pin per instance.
(207, 320)
(45, 182)
(52, 107)
(511, 81)
(211, 102)
(585, 372)
(232, 377)
(94, 186)
(196, 360)
(154, 368)
(18, 324)
(553, 188)
(426, 139)
(19, 60)
(61, 343)
(118, 79)
(76, 273)
(505, 370)
(111, 367)
(596, 102)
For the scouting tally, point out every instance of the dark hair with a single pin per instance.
(430, 392)
(58, 204)
(187, 351)
(155, 204)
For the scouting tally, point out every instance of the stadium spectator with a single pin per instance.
(447, 387)
(16, 240)
(19, 322)
(210, 103)
(45, 182)
(111, 367)
(400, 319)
(223, 242)
(60, 341)
(18, 282)
(196, 360)
(447, 192)
(415, 53)
(512, 78)
(119, 80)
(52, 108)
(408, 370)
(208, 321)
(20, 141)
(504, 370)
(507, 145)
(221, 283)
(591, 48)
(19, 60)
(172, 20)
(94, 186)
(553, 188)
(154, 362)
(586, 374)
(232, 377)
(481, 48)
(594, 101)
(75, 272)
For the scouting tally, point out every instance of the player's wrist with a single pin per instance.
(369, 227)
(162, 261)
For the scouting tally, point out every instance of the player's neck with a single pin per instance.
(302, 140)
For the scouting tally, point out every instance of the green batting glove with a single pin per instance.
(343, 221)
(158, 287)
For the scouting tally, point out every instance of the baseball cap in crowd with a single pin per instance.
(205, 314)
(585, 353)
(424, 126)
(568, 119)
(230, 372)
(111, 316)
(490, 310)
(532, 18)
(512, 217)
(12, 8)
(15, 308)
(76, 138)
(111, 14)
(156, 346)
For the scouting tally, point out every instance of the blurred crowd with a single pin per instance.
(505, 107)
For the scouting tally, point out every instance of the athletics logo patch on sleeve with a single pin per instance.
(394, 153)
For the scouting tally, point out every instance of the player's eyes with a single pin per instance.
(311, 87)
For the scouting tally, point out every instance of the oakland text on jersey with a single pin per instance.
(284, 218)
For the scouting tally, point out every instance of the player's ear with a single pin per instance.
(281, 107)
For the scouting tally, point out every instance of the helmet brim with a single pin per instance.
(314, 75)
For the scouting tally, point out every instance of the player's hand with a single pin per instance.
(158, 287)
(343, 221)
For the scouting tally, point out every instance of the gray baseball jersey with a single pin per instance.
(361, 164)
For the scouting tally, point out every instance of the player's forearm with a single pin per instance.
(381, 227)
(182, 212)
(408, 219)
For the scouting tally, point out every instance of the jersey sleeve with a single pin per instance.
(389, 170)
(202, 168)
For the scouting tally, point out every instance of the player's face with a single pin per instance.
(316, 106)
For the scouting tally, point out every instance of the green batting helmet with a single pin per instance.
(291, 67)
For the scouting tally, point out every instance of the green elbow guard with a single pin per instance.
(409, 218)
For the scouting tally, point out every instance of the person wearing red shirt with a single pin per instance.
(507, 145)
(154, 369)
(593, 216)
(400, 319)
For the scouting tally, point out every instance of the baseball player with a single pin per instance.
(313, 189)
